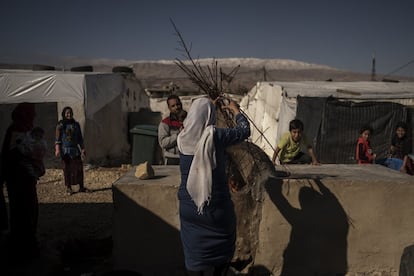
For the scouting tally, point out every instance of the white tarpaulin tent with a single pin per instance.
(94, 97)
(271, 105)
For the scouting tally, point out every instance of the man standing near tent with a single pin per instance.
(169, 128)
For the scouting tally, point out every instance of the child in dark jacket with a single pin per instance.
(401, 148)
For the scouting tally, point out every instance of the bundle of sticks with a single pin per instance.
(247, 161)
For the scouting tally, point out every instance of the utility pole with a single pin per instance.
(264, 74)
(373, 77)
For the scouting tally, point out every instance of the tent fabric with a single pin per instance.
(349, 90)
(16, 87)
(272, 105)
(96, 99)
(286, 114)
(101, 90)
(310, 112)
(28, 86)
(261, 105)
(335, 127)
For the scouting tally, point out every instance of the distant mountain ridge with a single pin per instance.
(270, 64)
(161, 73)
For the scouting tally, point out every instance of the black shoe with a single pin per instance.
(69, 191)
(84, 190)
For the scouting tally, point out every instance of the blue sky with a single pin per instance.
(341, 34)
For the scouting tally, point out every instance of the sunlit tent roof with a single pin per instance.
(348, 90)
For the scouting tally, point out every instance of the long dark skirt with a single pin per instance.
(73, 171)
(4, 218)
(215, 271)
(24, 213)
(208, 239)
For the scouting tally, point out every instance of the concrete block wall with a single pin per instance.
(146, 223)
(349, 219)
(329, 219)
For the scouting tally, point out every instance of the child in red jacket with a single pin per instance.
(364, 154)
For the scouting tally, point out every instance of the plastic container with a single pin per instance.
(144, 142)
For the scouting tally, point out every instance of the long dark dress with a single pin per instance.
(209, 238)
(69, 138)
(23, 202)
(4, 218)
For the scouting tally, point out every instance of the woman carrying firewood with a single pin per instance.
(208, 220)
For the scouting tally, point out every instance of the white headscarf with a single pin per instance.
(197, 139)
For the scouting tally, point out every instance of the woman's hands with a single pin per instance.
(57, 150)
(228, 104)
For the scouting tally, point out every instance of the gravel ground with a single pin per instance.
(78, 215)
(74, 231)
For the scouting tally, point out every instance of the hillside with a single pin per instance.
(162, 72)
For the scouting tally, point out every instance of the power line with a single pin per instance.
(399, 68)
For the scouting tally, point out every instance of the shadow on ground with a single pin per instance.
(74, 239)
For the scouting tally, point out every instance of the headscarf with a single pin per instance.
(66, 108)
(197, 139)
(23, 116)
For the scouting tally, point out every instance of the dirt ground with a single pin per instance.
(74, 231)
(51, 194)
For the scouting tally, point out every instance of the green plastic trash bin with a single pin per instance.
(144, 142)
